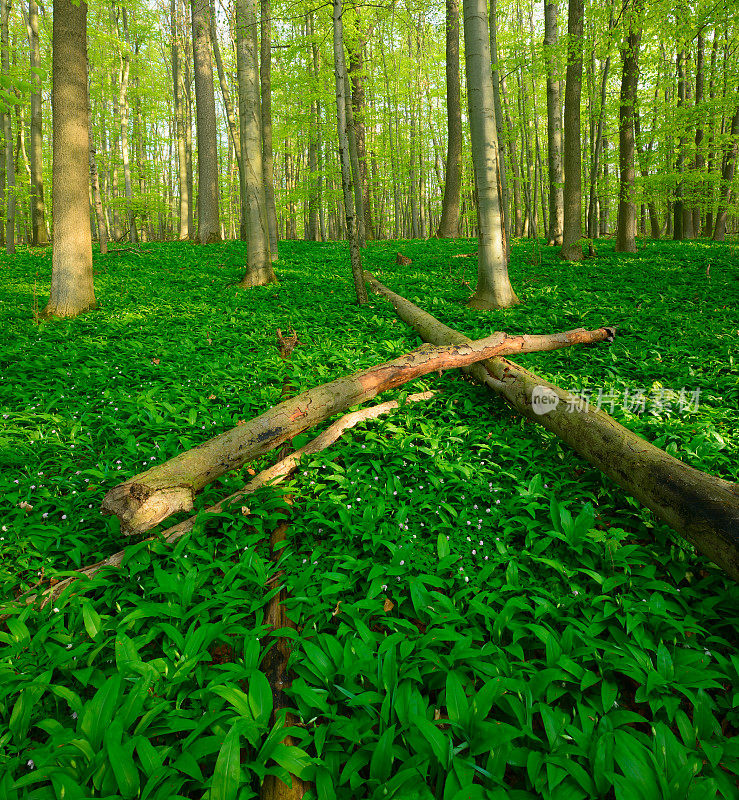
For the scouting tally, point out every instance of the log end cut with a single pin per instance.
(140, 507)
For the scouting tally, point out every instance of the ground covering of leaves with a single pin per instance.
(480, 614)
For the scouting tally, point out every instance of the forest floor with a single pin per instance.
(480, 613)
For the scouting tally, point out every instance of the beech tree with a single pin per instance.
(572, 231)
(449, 222)
(258, 260)
(209, 224)
(626, 227)
(72, 290)
(494, 288)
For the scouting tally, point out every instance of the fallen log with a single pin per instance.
(702, 508)
(270, 476)
(146, 499)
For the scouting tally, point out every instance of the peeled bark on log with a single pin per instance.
(272, 475)
(146, 499)
(702, 508)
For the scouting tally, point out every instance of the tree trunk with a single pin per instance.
(147, 499)
(72, 290)
(123, 108)
(5, 7)
(354, 161)
(233, 129)
(554, 125)
(97, 197)
(494, 288)
(344, 156)
(699, 161)
(184, 216)
(39, 233)
(702, 508)
(626, 225)
(678, 233)
(359, 110)
(209, 223)
(727, 176)
(312, 233)
(712, 81)
(572, 231)
(268, 166)
(258, 259)
(500, 126)
(449, 222)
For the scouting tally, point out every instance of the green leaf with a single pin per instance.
(260, 697)
(382, 756)
(440, 745)
(227, 773)
(456, 700)
(442, 546)
(294, 759)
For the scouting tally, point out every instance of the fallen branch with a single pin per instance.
(270, 476)
(146, 499)
(700, 507)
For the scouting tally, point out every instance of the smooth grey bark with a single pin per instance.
(233, 128)
(626, 225)
(678, 233)
(344, 157)
(124, 109)
(312, 231)
(258, 258)
(72, 290)
(359, 110)
(354, 161)
(597, 136)
(500, 125)
(7, 125)
(572, 229)
(185, 231)
(554, 125)
(699, 161)
(268, 166)
(493, 288)
(449, 222)
(39, 232)
(102, 228)
(654, 226)
(209, 225)
(712, 81)
(727, 176)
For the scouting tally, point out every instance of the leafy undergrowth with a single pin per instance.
(480, 613)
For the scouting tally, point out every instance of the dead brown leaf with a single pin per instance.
(388, 605)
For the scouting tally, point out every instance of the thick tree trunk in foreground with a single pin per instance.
(572, 231)
(700, 507)
(146, 499)
(258, 258)
(72, 290)
(493, 288)
(449, 222)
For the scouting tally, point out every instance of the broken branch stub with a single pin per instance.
(702, 508)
